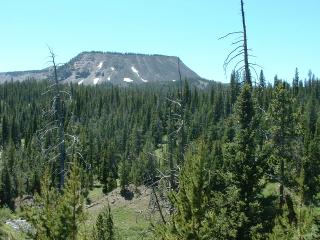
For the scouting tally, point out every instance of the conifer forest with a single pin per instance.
(162, 160)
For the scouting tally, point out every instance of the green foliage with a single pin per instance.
(234, 87)
(57, 215)
(104, 229)
(244, 164)
(255, 137)
(5, 214)
(285, 156)
(306, 227)
(6, 188)
(70, 206)
(312, 169)
(201, 212)
(109, 171)
(43, 216)
(124, 174)
(295, 82)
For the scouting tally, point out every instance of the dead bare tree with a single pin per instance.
(60, 122)
(245, 48)
(55, 126)
(168, 179)
(242, 66)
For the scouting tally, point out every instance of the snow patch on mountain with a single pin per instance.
(134, 70)
(100, 65)
(80, 82)
(96, 80)
(137, 72)
(127, 80)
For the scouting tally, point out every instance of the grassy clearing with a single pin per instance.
(129, 225)
(131, 217)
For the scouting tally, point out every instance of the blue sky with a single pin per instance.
(283, 34)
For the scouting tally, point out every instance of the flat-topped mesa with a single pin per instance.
(91, 68)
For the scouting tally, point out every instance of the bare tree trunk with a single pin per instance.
(158, 205)
(59, 118)
(245, 48)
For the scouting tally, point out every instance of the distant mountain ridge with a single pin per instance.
(91, 68)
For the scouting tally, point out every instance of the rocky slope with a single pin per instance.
(91, 68)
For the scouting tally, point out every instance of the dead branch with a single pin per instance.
(225, 65)
(232, 53)
(254, 64)
(237, 42)
(158, 205)
(254, 71)
(231, 33)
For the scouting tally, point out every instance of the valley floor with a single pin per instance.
(132, 218)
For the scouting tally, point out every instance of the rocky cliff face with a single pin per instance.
(91, 68)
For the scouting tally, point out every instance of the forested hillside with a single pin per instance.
(230, 161)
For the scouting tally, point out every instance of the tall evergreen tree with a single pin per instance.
(234, 87)
(244, 164)
(104, 225)
(312, 169)
(56, 215)
(206, 206)
(261, 90)
(5, 134)
(70, 208)
(43, 216)
(282, 135)
(6, 188)
(108, 171)
(295, 82)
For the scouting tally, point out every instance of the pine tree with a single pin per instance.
(186, 94)
(206, 206)
(261, 90)
(35, 183)
(109, 171)
(43, 215)
(156, 129)
(104, 229)
(312, 168)
(218, 108)
(6, 188)
(15, 135)
(284, 230)
(243, 163)
(137, 171)
(312, 116)
(150, 164)
(5, 131)
(124, 175)
(70, 206)
(234, 87)
(276, 81)
(295, 82)
(282, 135)
(56, 215)
(189, 202)
(297, 220)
